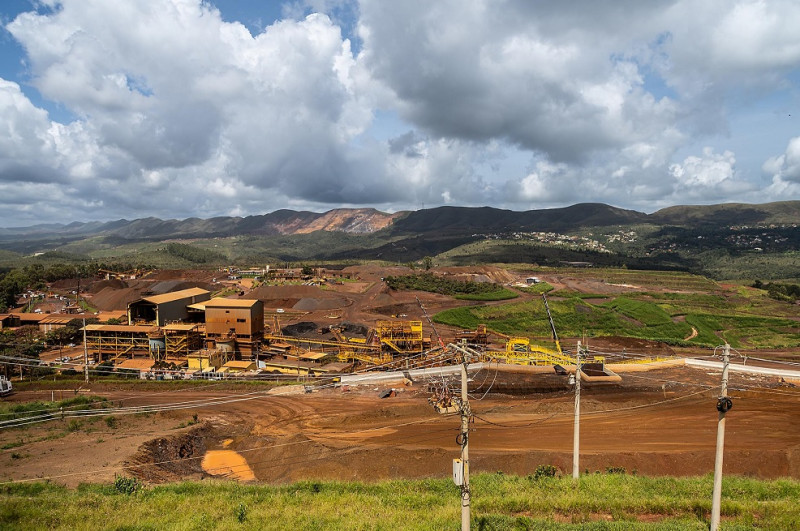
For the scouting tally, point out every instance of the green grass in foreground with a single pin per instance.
(18, 410)
(599, 501)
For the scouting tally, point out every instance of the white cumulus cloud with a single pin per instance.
(175, 110)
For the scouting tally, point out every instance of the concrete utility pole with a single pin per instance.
(85, 354)
(465, 414)
(723, 405)
(576, 434)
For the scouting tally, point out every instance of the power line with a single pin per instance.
(55, 413)
(155, 408)
(528, 425)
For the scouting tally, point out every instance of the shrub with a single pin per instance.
(437, 284)
(126, 485)
(545, 471)
(241, 513)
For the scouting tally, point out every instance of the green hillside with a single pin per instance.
(745, 318)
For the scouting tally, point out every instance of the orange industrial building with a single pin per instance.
(240, 321)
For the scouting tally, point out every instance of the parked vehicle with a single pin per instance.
(5, 386)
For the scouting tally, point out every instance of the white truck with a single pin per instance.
(5, 386)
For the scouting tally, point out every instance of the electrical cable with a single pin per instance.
(496, 372)
(641, 406)
(155, 408)
(56, 413)
(528, 425)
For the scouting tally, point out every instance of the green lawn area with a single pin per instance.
(499, 295)
(598, 501)
(541, 287)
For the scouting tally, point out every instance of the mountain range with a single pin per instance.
(730, 241)
(446, 220)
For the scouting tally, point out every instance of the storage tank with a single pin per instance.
(226, 345)
(158, 346)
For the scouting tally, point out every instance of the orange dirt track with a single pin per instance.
(657, 423)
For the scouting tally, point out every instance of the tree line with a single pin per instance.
(780, 291)
(436, 284)
(15, 281)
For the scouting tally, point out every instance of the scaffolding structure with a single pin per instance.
(118, 341)
(182, 339)
(402, 337)
(121, 341)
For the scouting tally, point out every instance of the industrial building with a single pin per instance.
(206, 360)
(167, 308)
(240, 321)
(189, 329)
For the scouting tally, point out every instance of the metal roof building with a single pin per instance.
(241, 320)
(169, 307)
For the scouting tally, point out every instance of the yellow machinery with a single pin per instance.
(403, 337)
(347, 350)
(382, 344)
(358, 349)
(479, 336)
(520, 351)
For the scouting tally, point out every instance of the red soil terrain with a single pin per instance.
(659, 422)
(656, 423)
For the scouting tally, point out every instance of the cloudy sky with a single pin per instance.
(180, 108)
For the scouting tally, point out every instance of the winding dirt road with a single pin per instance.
(656, 423)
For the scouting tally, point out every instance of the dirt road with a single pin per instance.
(655, 423)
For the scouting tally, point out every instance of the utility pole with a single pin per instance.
(723, 405)
(85, 354)
(461, 466)
(576, 434)
(465, 414)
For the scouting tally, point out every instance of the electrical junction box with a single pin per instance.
(458, 472)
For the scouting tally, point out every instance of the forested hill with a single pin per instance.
(448, 219)
(724, 241)
(486, 219)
